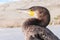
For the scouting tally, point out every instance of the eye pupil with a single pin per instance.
(40, 12)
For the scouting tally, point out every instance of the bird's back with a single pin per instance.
(39, 33)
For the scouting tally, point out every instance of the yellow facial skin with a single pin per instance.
(31, 13)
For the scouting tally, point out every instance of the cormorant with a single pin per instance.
(35, 28)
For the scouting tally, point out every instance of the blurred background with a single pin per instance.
(10, 17)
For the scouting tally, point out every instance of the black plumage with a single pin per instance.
(35, 28)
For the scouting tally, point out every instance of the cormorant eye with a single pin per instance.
(41, 12)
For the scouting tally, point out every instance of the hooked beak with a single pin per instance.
(31, 13)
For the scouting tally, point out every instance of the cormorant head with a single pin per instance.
(40, 13)
(36, 11)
